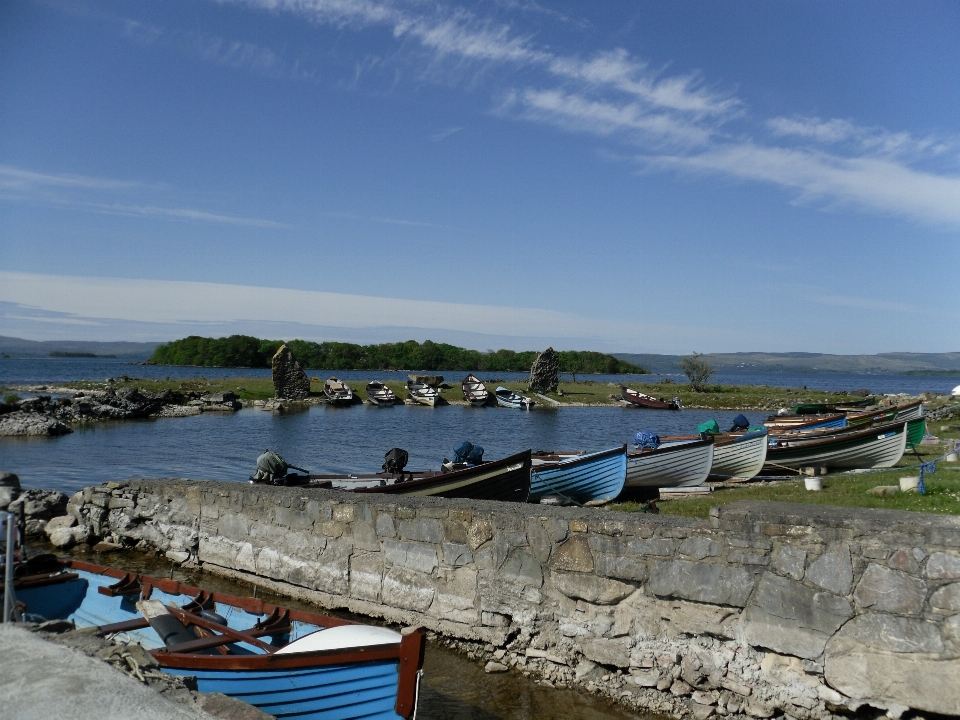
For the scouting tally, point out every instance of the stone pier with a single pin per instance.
(765, 609)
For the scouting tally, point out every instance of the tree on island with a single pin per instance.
(697, 369)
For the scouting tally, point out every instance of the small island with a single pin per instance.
(64, 354)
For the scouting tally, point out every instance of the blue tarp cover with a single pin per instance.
(740, 423)
(647, 439)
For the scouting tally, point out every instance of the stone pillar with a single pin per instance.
(289, 380)
(545, 373)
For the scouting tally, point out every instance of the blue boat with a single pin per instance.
(509, 399)
(583, 479)
(289, 663)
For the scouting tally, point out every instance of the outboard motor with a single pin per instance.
(645, 439)
(740, 423)
(468, 453)
(395, 461)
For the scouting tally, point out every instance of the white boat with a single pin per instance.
(423, 394)
(910, 411)
(682, 464)
(509, 399)
(741, 456)
(873, 447)
(380, 395)
(474, 391)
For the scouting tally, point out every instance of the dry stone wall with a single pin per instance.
(766, 609)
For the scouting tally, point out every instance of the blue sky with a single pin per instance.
(635, 177)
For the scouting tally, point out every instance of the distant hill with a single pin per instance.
(17, 347)
(883, 363)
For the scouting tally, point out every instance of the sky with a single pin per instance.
(670, 176)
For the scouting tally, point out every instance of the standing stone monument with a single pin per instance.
(289, 380)
(545, 373)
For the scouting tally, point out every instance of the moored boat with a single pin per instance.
(854, 448)
(582, 478)
(380, 395)
(337, 393)
(639, 399)
(286, 662)
(422, 393)
(474, 391)
(509, 399)
(684, 464)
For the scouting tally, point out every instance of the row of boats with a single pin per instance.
(841, 438)
(336, 392)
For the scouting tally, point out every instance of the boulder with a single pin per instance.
(289, 379)
(31, 423)
(545, 373)
(431, 380)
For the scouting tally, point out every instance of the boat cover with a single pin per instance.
(395, 460)
(740, 423)
(467, 452)
(646, 439)
(710, 426)
(270, 467)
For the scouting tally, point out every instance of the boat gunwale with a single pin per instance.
(578, 459)
(521, 457)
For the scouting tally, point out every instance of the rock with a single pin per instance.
(701, 712)
(614, 653)
(65, 521)
(220, 398)
(832, 571)
(889, 590)
(791, 618)
(522, 568)
(946, 600)
(893, 633)
(593, 589)
(38, 507)
(494, 667)
(175, 411)
(700, 547)
(679, 687)
(884, 490)
(790, 561)
(431, 380)
(941, 566)
(706, 697)
(28, 423)
(585, 668)
(106, 547)
(289, 379)
(545, 373)
(62, 538)
(573, 555)
(9, 479)
(701, 582)
(755, 708)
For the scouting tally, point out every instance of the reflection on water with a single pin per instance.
(321, 438)
(453, 687)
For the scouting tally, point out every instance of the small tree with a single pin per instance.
(697, 369)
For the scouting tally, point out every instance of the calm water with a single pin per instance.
(16, 371)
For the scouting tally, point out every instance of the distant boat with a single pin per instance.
(639, 399)
(685, 464)
(422, 393)
(582, 478)
(337, 393)
(474, 391)
(284, 661)
(509, 399)
(851, 448)
(380, 395)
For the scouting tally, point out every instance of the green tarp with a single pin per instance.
(710, 426)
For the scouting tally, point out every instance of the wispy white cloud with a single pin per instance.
(445, 133)
(14, 178)
(185, 214)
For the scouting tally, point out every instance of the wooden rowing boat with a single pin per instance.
(509, 399)
(474, 391)
(869, 447)
(639, 399)
(423, 394)
(286, 662)
(582, 478)
(380, 395)
(735, 455)
(685, 464)
(337, 393)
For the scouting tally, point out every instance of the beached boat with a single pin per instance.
(682, 464)
(639, 399)
(509, 399)
(870, 447)
(582, 478)
(802, 423)
(337, 393)
(380, 395)
(826, 408)
(288, 663)
(916, 429)
(909, 411)
(422, 394)
(474, 391)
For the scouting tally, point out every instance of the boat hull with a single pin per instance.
(742, 457)
(679, 465)
(916, 429)
(642, 400)
(873, 447)
(588, 478)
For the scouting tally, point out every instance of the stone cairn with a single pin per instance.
(545, 373)
(289, 380)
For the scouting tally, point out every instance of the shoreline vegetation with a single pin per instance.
(247, 351)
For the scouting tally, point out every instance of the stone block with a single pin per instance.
(894, 633)
(699, 547)
(479, 532)
(426, 530)
(456, 596)
(701, 582)
(613, 653)
(318, 511)
(747, 557)
(364, 535)
(62, 537)
(233, 525)
(366, 577)
(617, 566)
(217, 550)
(385, 526)
(539, 540)
(408, 589)
(454, 532)
(522, 568)
(903, 560)
(332, 573)
(833, 570)
(456, 555)
(946, 600)
(941, 566)
(591, 588)
(791, 618)
(658, 547)
(574, 555)
(461, 515)
(650, 618)
(246, 558)
(919, 681)
(65, 521)
(413, 556)
(888, 590)
(293, 519)
(557, 529)
(606, 545)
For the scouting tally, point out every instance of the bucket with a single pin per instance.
(813, 483)
(909, 483)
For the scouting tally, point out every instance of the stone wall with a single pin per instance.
(765, 609)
